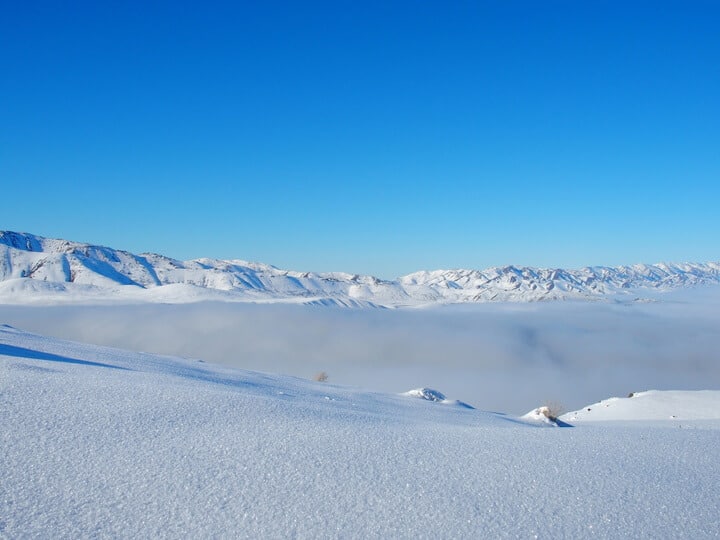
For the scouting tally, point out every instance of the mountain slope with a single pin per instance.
(100, 442)
(33, 265)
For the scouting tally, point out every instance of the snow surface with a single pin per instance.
(435, 396)
(100, 442)
(652, 405)
(83, 272)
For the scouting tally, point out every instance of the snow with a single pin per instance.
(100, 442)
(430, 394)
(92, 273)
(543, 415)
(652, 405)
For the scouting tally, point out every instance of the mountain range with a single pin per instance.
(34, 268)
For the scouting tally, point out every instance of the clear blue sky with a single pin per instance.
(369, 137)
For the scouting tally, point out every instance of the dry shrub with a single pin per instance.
(552, 410)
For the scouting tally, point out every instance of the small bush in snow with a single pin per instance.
(320, 377)
(551, 410)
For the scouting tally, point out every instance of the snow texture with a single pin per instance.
(429, 394)
(100, 442)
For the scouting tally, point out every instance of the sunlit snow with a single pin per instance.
(104, 442)
(422, 431)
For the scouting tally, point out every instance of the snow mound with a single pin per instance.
(429, 394)
(672, 405)
(543, 416)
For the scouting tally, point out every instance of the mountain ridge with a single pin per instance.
(32, 265)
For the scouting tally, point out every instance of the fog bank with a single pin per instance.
(505, 357)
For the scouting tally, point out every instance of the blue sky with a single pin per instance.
(368, 137)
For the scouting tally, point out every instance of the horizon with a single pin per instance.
(372, 139)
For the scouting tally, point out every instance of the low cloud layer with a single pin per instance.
(505, 357)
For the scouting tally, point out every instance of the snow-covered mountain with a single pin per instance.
(33, 267)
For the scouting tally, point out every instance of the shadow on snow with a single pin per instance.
(22, 352)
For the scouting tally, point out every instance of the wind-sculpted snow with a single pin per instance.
(107, 443)
(430, 394)
(93, 272)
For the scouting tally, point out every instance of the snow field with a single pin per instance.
(101, 442)
(652, 405)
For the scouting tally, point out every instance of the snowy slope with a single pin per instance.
(100, 442)
(77, 270)
(652, 405)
